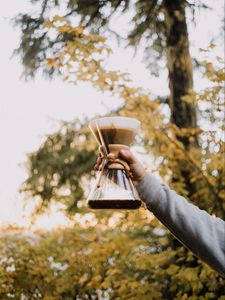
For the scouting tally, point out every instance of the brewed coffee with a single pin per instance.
(112, 135)
(114, 204)
(114, 190)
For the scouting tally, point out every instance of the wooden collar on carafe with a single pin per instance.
(116, 163)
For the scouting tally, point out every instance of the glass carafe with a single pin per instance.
(114, 188)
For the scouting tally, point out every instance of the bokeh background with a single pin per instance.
(52, 245)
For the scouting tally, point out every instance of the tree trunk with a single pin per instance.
(180, 72)
(179, 66)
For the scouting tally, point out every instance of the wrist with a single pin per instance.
(142, 176)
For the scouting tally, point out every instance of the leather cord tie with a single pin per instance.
(115, 163)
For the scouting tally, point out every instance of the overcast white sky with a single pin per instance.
(29, 110)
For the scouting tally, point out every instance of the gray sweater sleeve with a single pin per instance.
(203, 234)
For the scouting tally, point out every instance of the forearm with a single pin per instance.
(203, 234)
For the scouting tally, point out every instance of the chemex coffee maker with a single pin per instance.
(114, 188)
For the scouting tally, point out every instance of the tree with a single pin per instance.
(102, 262)
(78, 56)
(155, 269)
(77, 61)
(161, 24)
(58, 166)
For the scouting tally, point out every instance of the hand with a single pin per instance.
(136, 168)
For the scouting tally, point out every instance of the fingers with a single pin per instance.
(124, 154)
(99, 160)
(128, 156)
(111, 156)
(99, 163)
(102, 151)
(97, 166)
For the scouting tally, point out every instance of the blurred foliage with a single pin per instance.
(136, 258)
(157, 27)
(129, 261)
(125, 254)
(201, 162)
(146, 26)
(57, 167)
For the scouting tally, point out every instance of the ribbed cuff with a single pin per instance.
(149, 190)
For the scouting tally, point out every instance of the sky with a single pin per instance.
(29, 110)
